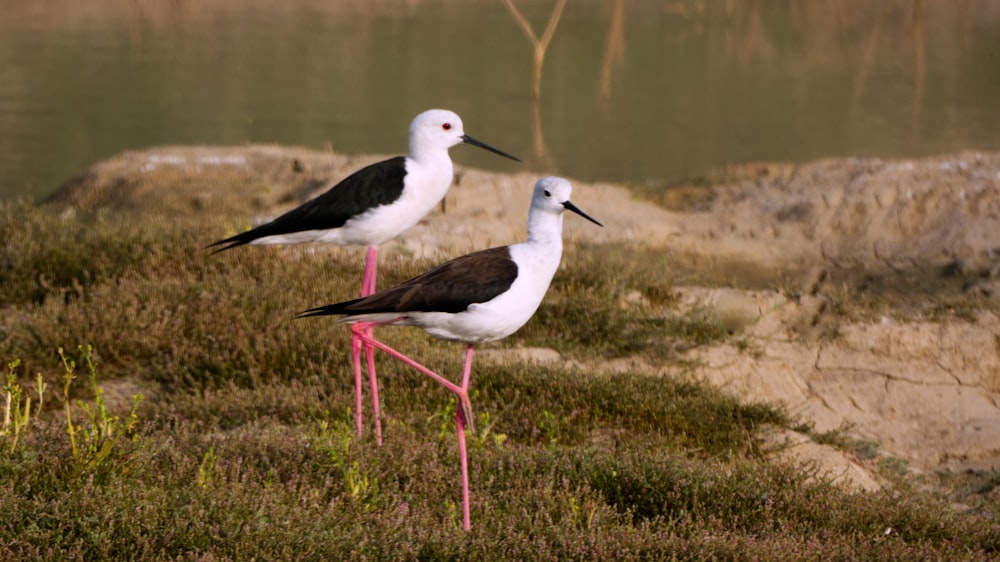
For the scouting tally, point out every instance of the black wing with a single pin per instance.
(372, 186)
(450, 287)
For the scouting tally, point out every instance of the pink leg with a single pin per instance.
(463, 463)
(373, 384)
(460, 422)
(371, 267)
(356, 360)
(367, 287)
(463, 417)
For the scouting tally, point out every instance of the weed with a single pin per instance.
(206, 470)
(838, 437)
(550, 425)
(93, 442)
(17, 415)
(893, 466)
(335, 440)
(862, 449)
(484, 436)
(445, 418)
(696, 328)
(360, 486)
(865, 450)
(583, 512)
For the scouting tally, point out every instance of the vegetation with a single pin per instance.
(161, 404)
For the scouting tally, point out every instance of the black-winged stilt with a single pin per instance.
(372, 206)
(476, 298)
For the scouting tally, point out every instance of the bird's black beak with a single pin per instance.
(571, 207)
(469, 140)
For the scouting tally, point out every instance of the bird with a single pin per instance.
(370, 207)
(476, 298)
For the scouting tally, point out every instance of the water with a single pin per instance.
(634, 91)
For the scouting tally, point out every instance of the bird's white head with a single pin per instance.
(552, 196)
(437, 130)
(548, 203)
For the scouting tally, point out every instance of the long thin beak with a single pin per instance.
(469, 140)
(571, 207)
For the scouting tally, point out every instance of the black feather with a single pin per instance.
(372, 186)
(450, 287)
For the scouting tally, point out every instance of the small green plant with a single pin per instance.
(360, 486)
(454, 515)
(551, 427)
(69, 375)
(335, 440)
(480, 438)
(696, 328)
(93, 442)
(583, 512)
(893, 466)
(17, 416)
(446, 419)
(485, 435)
(840, 438)
(206, 470)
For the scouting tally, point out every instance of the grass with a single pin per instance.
(241, 446)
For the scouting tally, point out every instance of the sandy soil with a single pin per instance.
(921, 389)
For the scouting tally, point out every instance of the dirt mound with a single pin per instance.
(941, 212)
(259, 179)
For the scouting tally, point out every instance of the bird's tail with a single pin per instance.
(337, 309)
(227, 243)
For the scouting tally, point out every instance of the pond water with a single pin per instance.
(641, 91)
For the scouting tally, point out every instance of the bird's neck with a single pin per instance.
(433, 165)
(423, 150)
(545, 228)
(430, 157)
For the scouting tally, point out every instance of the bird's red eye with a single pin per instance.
(446, 126)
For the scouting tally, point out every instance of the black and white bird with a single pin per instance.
(378, 202)
(480, 297)
(372, 206)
